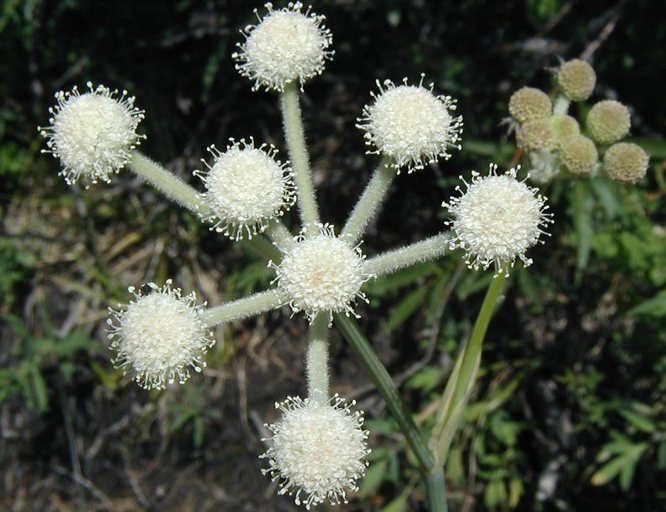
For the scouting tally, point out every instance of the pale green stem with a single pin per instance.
(167, 183)
(295, 136)
(465, 372)
(317, 360)
(280, 235)
(245, 307)
(369, 202)
(436, 490)
(561, 105)
(391, 261)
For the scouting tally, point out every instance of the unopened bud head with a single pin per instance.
(496, 219)
(626, 162)
(577, 79)
(579, 154)
(246, 188)
(564, 126)
(318, 450)
(411, 125)
(322, 273)
(529, 103)
(159, 336)
(608, 121)
(92, 133)
(286, 45)
(537, 134)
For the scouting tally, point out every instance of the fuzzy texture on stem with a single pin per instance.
(286, 46)
(167, 183)
(392, 261)
(243, 308)
(370, 202)
(93, 134)
(496, 219)
(159, 336)
(317, 360)
(411, 125)
(318, 450)
(246, 188)
(295, 136)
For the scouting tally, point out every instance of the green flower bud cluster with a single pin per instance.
(552, 139)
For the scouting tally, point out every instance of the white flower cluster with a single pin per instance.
(496, 219)
(92, 133)
(159, 336)
(246, 187)
(318, 450)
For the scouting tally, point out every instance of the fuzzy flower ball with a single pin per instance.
(318, 450)
(411, 125)
(92, 133)
(579, 154)
(246, 187)
(529, 103)
(626, 162)
(496, 219)
(159, 336)
(322, 273)
(537, 134)
(608, 121)
(577, 79)
(564, 126)
(284, 46)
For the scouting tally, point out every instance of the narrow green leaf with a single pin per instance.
(373, 478)
(407, 307)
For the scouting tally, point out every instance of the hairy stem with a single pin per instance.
(245, 307)
(280, 235)
(391, 261)
(294, 134)
(167, 183)
(370, 201)
(317, 360)
(561, 105)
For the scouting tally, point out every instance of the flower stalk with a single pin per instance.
(317, 360)
(244, 308)
(295, 137)
(419, 252)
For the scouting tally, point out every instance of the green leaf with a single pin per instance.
(656, 306)
(397, 505)
(407, 307)
(373, 478)
(426, 379)
(638, 421)
(495, 493)
(616, 465)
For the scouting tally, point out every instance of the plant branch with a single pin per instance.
(391, 261)
(245, 307)
(317, 360)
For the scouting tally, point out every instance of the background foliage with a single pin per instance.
(569, 412)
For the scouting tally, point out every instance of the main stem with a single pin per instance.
(317, 360)
(295, 136)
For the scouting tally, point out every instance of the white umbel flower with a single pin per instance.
(496, 219)
(159, 336)
(246, 187)
(410, 124)
(93, 133)
(284, 46)
(322, 273)
(318, 450)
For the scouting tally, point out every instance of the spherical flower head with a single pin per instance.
(318, 450)
(322, 273)
(529, 103)
(286, 45)
(626, 162)
(246, 187)
(577, 79)
(92, 133)
(564, 126)
(159, 336)
(537, 134)
(496, 219)
(411, 125)
(579, 154)
(608, 121)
